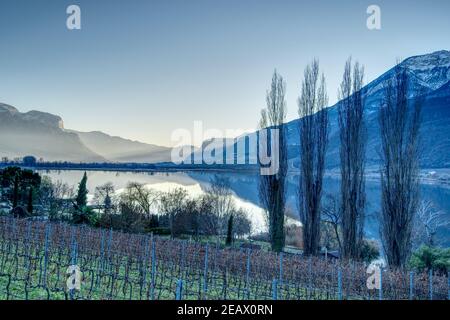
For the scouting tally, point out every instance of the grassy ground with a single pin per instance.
(26, 274)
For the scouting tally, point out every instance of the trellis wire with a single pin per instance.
(34, 257)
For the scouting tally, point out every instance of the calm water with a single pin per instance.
(163, 182)
(244, 187)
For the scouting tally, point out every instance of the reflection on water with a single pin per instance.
(162, 182)
(245, 191)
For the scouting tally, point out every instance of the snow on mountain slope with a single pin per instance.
(432, 70)
(429, 75)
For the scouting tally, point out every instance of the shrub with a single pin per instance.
(262, 236)
(127, 220)
(159, 231)
(20, 212)
(369, 251)
(84, 216)
(294, 236)
(428, 258)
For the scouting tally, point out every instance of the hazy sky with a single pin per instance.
(141, 69)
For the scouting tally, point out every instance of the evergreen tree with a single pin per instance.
(82, 213)
(16, 191)
(229, 239)
(107, 203)
(81, 200)
(30, 201)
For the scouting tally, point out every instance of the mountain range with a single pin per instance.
(43, 135)
(429, 80)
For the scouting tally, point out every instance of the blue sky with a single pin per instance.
(141, 69)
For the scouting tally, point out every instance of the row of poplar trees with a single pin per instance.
(399, 131)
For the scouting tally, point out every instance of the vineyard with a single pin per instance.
(35, 258)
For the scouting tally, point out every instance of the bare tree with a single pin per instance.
(207, 220)
(399, 130)
(172, 204)
(57, 197)
(222, 201)
(332, 215)
(272, 186)
(428, 220)
(313, 143)
(353, 137)
(140, 197)
(242, 225)
(103, 196)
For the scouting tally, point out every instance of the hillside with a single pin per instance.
(40, 134)
(429, 75)
(44, 136)
(119, 149)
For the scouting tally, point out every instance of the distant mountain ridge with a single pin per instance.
(40, 134)
(43, 135)
(119, 149)
(429, 77)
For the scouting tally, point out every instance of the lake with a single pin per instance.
(244, 187)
